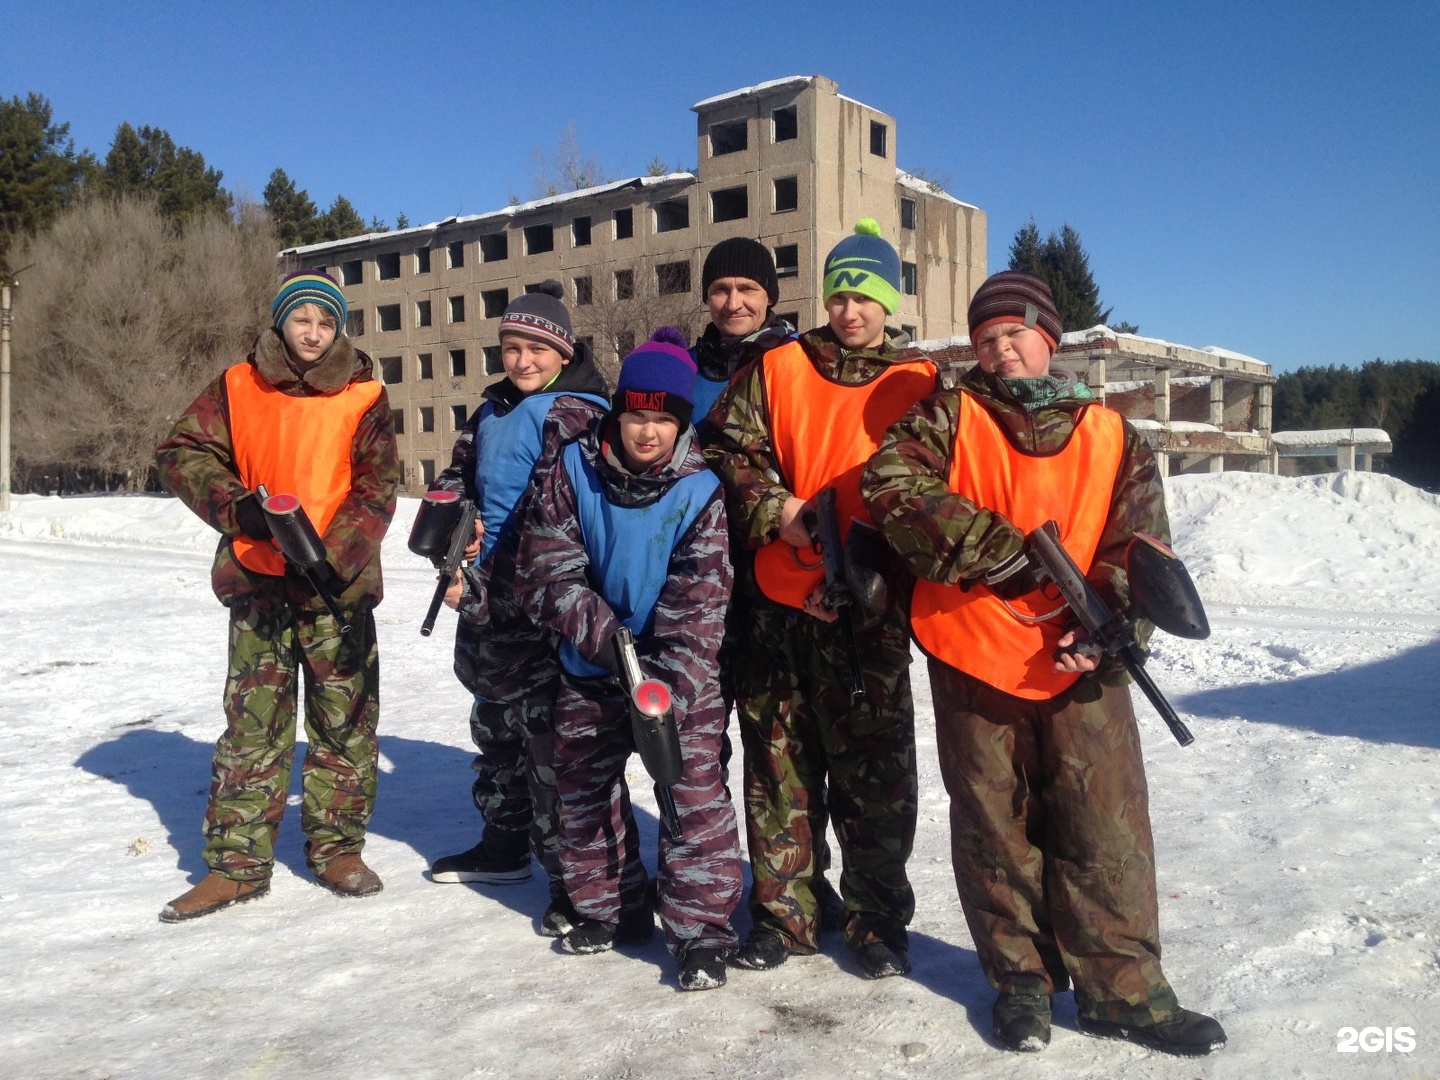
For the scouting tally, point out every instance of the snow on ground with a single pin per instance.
(1298, 840)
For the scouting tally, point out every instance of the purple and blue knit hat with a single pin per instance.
(658, 375)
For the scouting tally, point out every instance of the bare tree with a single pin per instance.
(566, 168)
(631, 303)
(125, 318)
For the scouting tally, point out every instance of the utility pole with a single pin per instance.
(6, 284)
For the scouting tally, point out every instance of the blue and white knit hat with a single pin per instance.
(541, 315)
(865, 264)
(312, 286)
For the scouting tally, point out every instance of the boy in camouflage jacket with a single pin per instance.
(804, 417)
(549, 395)
(628, 529)
(1050, 831)
(304, 415)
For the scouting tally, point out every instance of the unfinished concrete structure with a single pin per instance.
(790, 162)
(1201, 410)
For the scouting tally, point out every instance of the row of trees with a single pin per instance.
(1402, 397)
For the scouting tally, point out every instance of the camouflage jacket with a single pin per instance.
(556, 589)
(196, 462)
(499, 653)
(740, 449)
(947, 538)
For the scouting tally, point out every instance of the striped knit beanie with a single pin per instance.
(658, 375)
(541, 315)
(865, 264)
(1018, 297)
(741, 257)
(312, 286)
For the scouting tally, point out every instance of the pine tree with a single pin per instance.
(292, 213)
(147, 162)
(341, 220)
(40, 172)
(1025, 251)
(1061, 260)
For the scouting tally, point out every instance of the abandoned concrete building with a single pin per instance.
(791, 162)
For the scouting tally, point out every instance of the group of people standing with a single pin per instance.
(681, 507)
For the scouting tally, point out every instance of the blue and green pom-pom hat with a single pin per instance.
(865, 264)
(309, 287)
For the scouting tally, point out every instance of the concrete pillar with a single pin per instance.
(1162, 395)
(1217, 401)
(1265, 409)
(1162, 463)
(1095, 376)
(1215, 463)
(1344, 455)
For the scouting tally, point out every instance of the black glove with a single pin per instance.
(1014, 577)
(867, 557)
(250, 516)
(608, 657)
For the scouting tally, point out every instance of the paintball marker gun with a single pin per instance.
(652, 721)
(824, 526)
(300, 544)
(1161, 591)
(444, 527)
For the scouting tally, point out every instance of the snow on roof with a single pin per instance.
(506, 212)
(914, 183)
(758, 88)
(1331, 436)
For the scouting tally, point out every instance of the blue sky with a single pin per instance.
(1260, 176)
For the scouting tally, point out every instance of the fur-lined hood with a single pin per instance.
(341, 365)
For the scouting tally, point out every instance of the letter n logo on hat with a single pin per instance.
(849, 277)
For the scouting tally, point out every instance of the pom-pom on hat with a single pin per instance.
(1018, 297)
(658, 375)
(312, 286)
(542, 316)
(741, 257)
(866, 264)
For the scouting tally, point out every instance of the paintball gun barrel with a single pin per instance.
(839, 597)
(444, 527)
(300, 544)
(1161, 592)
(652, 721)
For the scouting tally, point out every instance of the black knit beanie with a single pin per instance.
(741, 257)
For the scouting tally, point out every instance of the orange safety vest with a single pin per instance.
(823, 433)
(974, 630)
(298, 446)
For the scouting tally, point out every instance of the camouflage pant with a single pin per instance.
(1050, 839)
(272, 647)
(799, 728)
(699, 877)
(514, 787)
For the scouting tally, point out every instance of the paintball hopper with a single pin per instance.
(435, 523)
(294, 531)
(659, 749)
(1161, 589)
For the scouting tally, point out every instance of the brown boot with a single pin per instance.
(214, 892)
(348, 875)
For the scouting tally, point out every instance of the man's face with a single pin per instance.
(530, 364)
(308, 331)
(858, 321)
(1012, 351)
(648, 436)
(737, 306)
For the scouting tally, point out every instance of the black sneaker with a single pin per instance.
(478, 865)
(588, 936)
(560, 916)
(637, 924)
(1184, 1032)
(880, 961)
(702, 969)
(761, 951)
(832, 907)
(1022, 1022)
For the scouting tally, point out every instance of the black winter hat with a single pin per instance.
(542, 316)
(739, 256)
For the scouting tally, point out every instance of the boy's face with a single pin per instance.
(530, 364)
(308, 331)
(737, 305)
(648, 436)
(1012, 351)
(858, 321)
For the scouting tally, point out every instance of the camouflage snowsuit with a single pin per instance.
(500, 655)
(811, 754)
(699, 877)
(280, 632)
(1050, 829)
